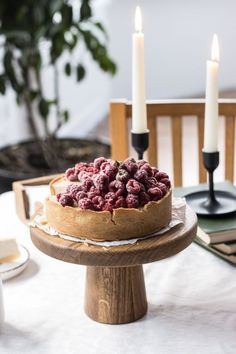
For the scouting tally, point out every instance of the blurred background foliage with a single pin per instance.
(24, 25)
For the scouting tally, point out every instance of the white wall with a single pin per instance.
(178, 37)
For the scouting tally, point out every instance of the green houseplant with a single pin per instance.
(24, 26)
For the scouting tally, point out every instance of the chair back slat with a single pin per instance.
(152, 149)
(176, 131)
(178, 111)
(119, 131)
(202, 174)
(229, 147)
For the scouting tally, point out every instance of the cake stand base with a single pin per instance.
(115, 289)
(115, 294)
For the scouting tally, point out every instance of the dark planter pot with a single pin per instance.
(29, 159)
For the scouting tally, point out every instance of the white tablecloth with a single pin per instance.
(191, 299)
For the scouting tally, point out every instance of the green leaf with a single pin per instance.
(67, 16)
(90, 40)
(57, 47)
(38, 15)
(80, 72)
(43, 108)
(23, 60)
(37, 61)
(19, 37)
(40, 32)
(33, 94)
(112, 67)
(10, 72)
(18, 99)
(85, 10)
(105, 62)
(2, 85)
(67, 69)
(55, 5)
(101, 28)
(7, 61)
(66, 116)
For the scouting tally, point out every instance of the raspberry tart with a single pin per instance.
(110, 200)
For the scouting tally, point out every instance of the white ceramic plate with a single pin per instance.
(11, 269)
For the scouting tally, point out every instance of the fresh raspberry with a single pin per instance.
(133, 186)
(130, 165)
(97, 162)
(80, 195)
(82, 166)
(110, 197)
(106, 184)
(150, 182)
(132, 201)
(72, 174)
(98, 202)
(87, 184)
(107, 207)
(117, 187)
(90, 168)
(91, 195)
(142, 187)
(161, 175)
(122, 175)
(66, 200)
(162, 187)
(141, 175)
(143, 198)
(110, 168)
(97, 199)
(146, 167)
(166, 181)
(83, 175)
(155, 171)
(73, 189)
(58, 196)
(101, 181)
(155, 193)
(93, 192)
(120, 202)
(140, 163)
(85, 203)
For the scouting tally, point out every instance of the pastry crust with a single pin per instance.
(122, 223)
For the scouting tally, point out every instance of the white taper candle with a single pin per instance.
(139, 114)
(211, 103)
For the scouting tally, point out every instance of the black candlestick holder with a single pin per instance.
(140, 142)
(211, 202)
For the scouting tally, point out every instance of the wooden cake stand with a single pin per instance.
(115, 288)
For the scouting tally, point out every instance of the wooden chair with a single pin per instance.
(177, 110)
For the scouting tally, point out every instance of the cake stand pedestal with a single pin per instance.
(115, 289)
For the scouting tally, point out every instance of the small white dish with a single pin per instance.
(11, 269)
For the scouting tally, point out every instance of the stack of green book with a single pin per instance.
(217, 235)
